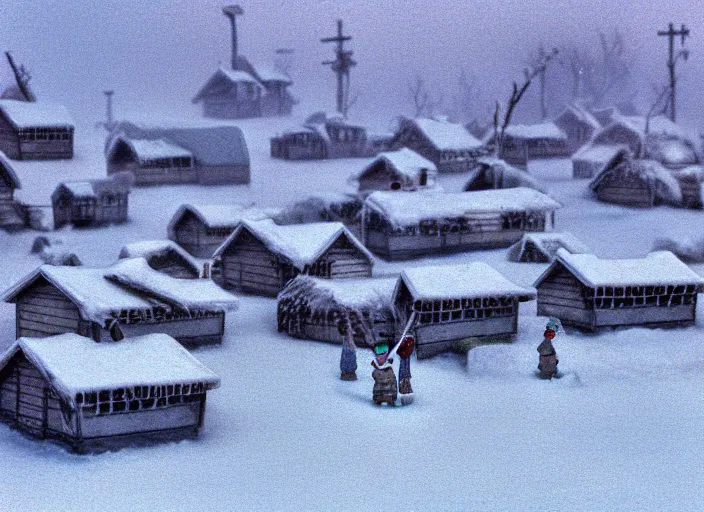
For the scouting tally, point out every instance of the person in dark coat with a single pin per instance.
(385, 388)
(547, 365)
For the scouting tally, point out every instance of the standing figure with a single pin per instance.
(547, 366)
(348, 358)
(385, 389)
(404, 351)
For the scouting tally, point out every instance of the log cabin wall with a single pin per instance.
(41, 143)
(563, 296)
(342, 260)
(198, 239)
(249, 266)
(9, 139)
(8, 206)
(626, 188)
(43, 310)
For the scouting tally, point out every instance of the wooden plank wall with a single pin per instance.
(43, 311)
(562, 295)
(9, 141)
(249, 266)
(346, 260)
(625, 189)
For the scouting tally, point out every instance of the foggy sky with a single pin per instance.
(156, 54)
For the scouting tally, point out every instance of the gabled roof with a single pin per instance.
(507, 176)
(657, 268)
(158, 248)
(404, 161)
(216, 215)
(25, 114)
(475, 279)
(8, 172)
(538, 131)
(598, 153)
(409, 208)
(346, 293)
(211, 144)
(230, 76)
(97, 294)
(301, 244)
(146, 149)
(268, 74)
(446, 136)
(548, 244)
(91, 188)
(75, 364)
(579, 113)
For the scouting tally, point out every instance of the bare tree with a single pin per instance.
(424, 103)
(500, 123)
(465, 99)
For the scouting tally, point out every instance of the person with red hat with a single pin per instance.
(547, 365)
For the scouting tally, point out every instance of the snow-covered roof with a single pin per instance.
(581, 114)
(140, 288)
(92, 188)
(548, 244)
(301, 244)
(159, 248)
(405, 161)
(447, 136)
(269, 74)
(234, 75)
(9, 171)
(507, 176)
(217, 215)
(657, 268)
(211, 144)
(346, 293)
(546, 130)
(146, 149)
(26, 114)
(409, 208)
(598, 153)
(665, 185)
(76, 364)
(672, 152)
(475, 279)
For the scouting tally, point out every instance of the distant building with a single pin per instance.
(542, 247)
(493, 173)
(12, 214)
(35, 130)
(527, 142)
(101, 396)
(448, 145)
(578, 124)
(403, 169)
(591, 160)
(90, 203)
(589, 292)
(193, 153)
(164, 256)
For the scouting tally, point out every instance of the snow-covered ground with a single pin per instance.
(622, 430)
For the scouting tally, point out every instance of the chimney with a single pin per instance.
(109, 122)
(232, 11)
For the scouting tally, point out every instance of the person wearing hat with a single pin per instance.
(385, 389)
(547, 365)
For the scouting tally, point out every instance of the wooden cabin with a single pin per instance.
(403, 169)
(401, 225)
(322, 207)
(314, 308)
(262, 257)
(578, 124)
(128, 298)
(103, 396)
(164, 256)
(200, 229)
(447, 305)
(490, 172)
(322, 136)
(542, 247)
(90, 203)
(528, 142)
(205, 154)
(35, 130)
(591, 159)
(639, 183)
(589, 292)
(691, 181)
(448, 145)
(12, 214)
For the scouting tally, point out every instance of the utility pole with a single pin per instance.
(232, 11)
(341, 66)
(671, 33)
(109, 120)
(541, 75)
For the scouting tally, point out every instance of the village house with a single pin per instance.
(12, 214)
(400, 225)
(589, 292)
(314, 308)
(490, 172)
(206, 154)
(447, 305)
(542, 247)
(522, 143)
(403, 169)
(641, 183)
(262, 257)
(244, 90)
(164, 256)
(128, 299)
(578, 124)
(591, 160)
(322, 136)
(201, 228)
(90, 203)
(448, 145)
(35, 130)
(102, 396)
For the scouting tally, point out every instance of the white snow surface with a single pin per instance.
(657, 268)
(409, 208)
(147, 149)
(621, 431)
(547, 130)
(666, 186)
(350, 293)
(406, 161)
(598, 153)
(76, 364)
(447, 136)
(147, 248)
(548, 243)
(475, 279)
(302, 244)
(218, 215)
(25, 114)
